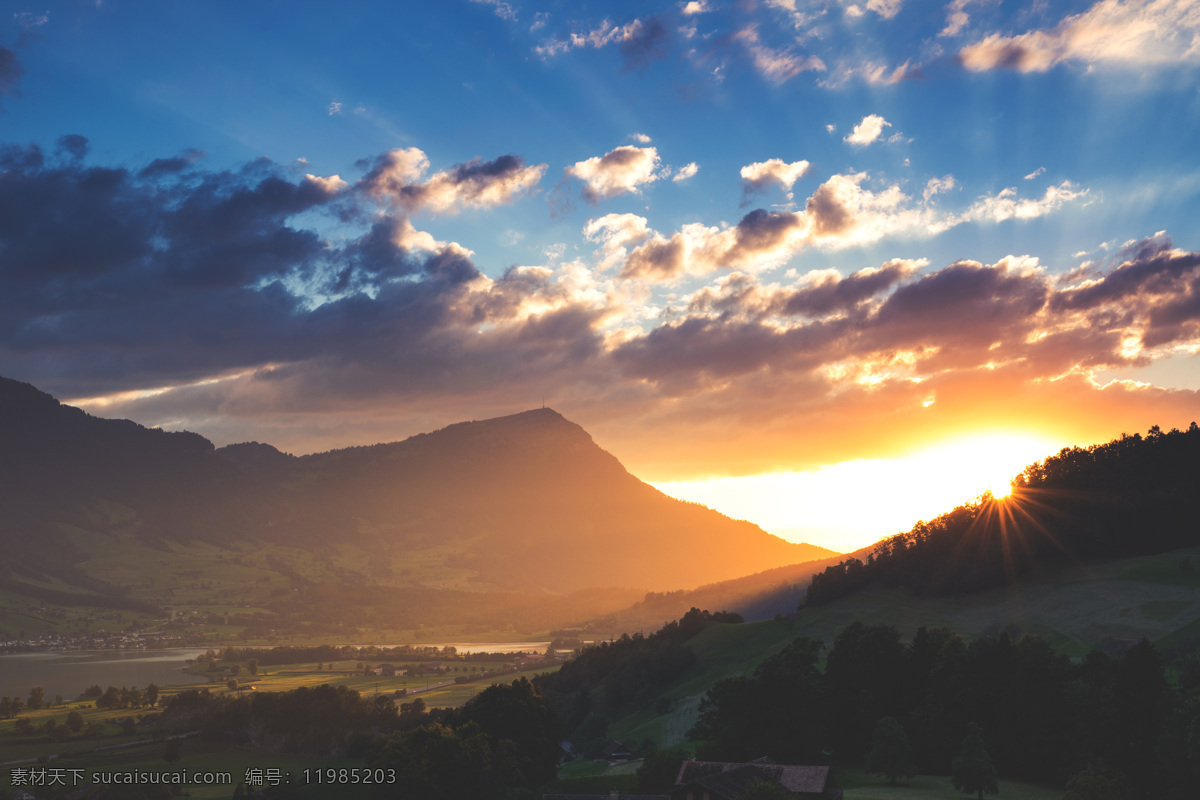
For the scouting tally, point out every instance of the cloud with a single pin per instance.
(693, 7)
(73, 146)
(757, 176)
(619, 171)
(957, 17)
(867, 131)
(394, 177)
(639, 41)
(841, 213)
(1007, 205)
(872, 73)
(885, 8)
(500, 9)
(1132, 33)
(215, 289)
(1035, 173)
(777, 66)
(640, 138)
(11, 71)
(335, 108)
(935, 186)
(686, 171)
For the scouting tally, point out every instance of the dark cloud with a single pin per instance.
(1149, 267)
(647, 41)
(395, 176)
(657, 259)
(967, 299)
(170, 166)
(835, 295)
(73, 146)
(830, 212)
(763, 230)
(116, 278)
(11, 71)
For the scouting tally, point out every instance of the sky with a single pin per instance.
(821, 265)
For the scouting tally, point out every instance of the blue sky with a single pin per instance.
(729, 239)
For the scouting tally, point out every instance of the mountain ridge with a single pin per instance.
(524, 503)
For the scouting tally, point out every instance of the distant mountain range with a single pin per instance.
(113, 513)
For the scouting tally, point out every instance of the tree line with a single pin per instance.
(1132, 496)
(1044, 718)
(503, 743)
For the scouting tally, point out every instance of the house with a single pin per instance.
(615, 751)
(728, 780)
(389, 670)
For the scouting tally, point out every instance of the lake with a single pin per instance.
(70, 673)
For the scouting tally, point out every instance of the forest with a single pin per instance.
(1132, 496)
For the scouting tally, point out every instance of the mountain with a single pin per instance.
(521, 505)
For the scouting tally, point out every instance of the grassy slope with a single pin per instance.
(1073, 610)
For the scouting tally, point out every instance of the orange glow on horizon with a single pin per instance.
(853, 504)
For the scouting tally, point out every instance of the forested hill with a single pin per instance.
(1136, 495)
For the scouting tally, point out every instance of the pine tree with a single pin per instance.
(973, 770)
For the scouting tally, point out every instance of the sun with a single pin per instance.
(1000, 489)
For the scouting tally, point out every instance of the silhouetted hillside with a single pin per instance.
(1132, 496)
(524, 503)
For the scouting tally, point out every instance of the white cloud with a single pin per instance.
(867, 131)
(686, 171)
(885, 8)
(694, 7)
(758, 175)
(936, 186)
(622, 170)
(777, 66)
(1134, 32)
(873, 73)
(601, 36)
(1006, 204)
(957, 17)
(331, 185)
(640, 138)
(1035, 173)
(840, 213)
(335, 108)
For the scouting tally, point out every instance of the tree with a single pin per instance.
(659, 769)
(1094, 783)
(252, 666)
(781, 711)
(75, 721)
(973, 770)
(37, 697)
(891, 754)
(231, 684)
(152, 694)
